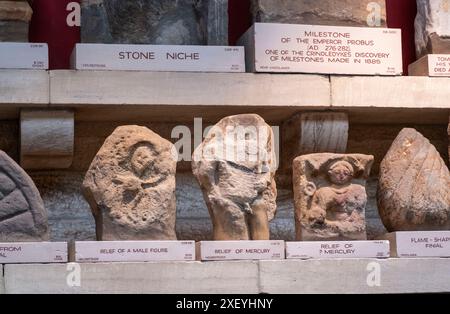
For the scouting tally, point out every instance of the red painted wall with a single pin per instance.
(401, 14)
(49, 25)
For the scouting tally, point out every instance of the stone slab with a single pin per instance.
(398, 92)
(289, 48)
(26, 56)
(341, 249)
(329, 12)
(80, 88)
(433, 65)
(241, 250)
(24, 87)
(158, 58)
(410, 244)
(134, 278)
(355, 276)
(33, 252)
(132, 251)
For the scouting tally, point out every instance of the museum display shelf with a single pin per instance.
(241, 277)
(179, 97)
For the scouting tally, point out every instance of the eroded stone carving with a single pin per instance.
(235, 166)
(330, 196)
(14, 19)
(23, 216)
(432, 27)
(164, 22)
(414, 186)
(360, 13)
(130, 186)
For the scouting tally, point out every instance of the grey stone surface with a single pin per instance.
(23, 216)
(432, 27)
(70, 217)
(14, 19)
(137, 278)
(13, 31)
(327, 12)
(182, 22)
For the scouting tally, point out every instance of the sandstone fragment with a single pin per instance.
(414, 186)
(235, 166)
(130, 186)
(330, 196)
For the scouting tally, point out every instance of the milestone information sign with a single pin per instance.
(419, 243)
(241, 250)
(323, 49)
(132, 251)
(338, 249)
(33, 252)
(158, 58)
(25, 56)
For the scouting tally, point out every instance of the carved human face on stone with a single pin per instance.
(340, 173)
(142, 160)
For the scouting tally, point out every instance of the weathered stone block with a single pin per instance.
(432, 27)
(330, 12)
(14, 19)
(183, 22)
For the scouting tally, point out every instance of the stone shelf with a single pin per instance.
(294, 276)
(22, 88)
(179, 97)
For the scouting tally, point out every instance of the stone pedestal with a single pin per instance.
(329, 12)
(14, 19)
(182, 22)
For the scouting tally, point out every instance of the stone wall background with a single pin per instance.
(70, 216)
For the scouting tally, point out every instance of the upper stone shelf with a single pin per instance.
(179, 97)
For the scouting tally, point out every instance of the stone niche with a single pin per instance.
(330, 196)
(163, 22)
(432, 27)
(14, 20)
(360, 13)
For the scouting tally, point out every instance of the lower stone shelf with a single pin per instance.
(249, 277)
